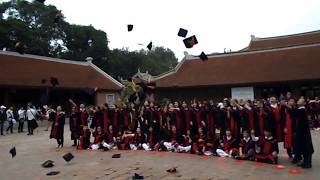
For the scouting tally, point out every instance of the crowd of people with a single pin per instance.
(244, 129)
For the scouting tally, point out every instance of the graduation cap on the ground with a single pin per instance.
(67, 157)
(130, 27)
(137, 176)
(54, 81)
(182, 32)
(190, 41)
(19, 46)
(13, 152)
(52, 173)
(149, 45)
(203, 56)
(41, 1)
(116, 155)
(48, 164)
(172, 170)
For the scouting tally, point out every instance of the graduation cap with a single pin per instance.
(52, 173)
(19, 46)
(132, 97)
(67, 157)
(13, 152)
(48, 164)
(182, 32)
(89, 91)
(54, 81)
(172, 170)
(41, 1)
(190, 41)
(57, 17)
(116, 155)
(203, 56)
(130, 27)
(149, 45)
(137, 176)
(43, 81)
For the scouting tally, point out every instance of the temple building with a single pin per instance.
(268, 66)
(44, 80)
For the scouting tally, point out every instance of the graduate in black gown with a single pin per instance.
(302, 139)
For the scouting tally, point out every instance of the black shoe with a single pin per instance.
(306, 166)
(300, 164)
(295, 161)
(28, 134)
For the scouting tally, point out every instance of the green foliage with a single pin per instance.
(125, 64)
(33, 23)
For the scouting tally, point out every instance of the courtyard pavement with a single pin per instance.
(32, 151)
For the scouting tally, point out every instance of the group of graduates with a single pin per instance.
(247, 130)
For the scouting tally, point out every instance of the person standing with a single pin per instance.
(303, 140)
(31, 117)
(57, 129)
(3, 118)
(11, 120)
(22, 118)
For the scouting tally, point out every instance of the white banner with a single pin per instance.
(242, 93)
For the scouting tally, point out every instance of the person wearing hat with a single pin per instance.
(3, 118)
(11, 120)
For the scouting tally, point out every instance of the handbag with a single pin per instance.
(14, 121)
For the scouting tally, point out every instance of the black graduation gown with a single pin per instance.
(74, 124)
(303, 140)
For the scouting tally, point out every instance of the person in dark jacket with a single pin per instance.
(302, 139)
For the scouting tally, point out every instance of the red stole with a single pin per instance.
(187, 119)
(288, 134)
(105, 121)
(276, 112)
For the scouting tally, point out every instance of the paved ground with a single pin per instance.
(33, 150)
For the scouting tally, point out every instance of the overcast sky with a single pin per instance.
(218, 24)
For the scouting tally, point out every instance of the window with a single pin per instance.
(110, 99)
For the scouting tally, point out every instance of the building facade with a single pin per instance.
(268, 66)
(44, 80)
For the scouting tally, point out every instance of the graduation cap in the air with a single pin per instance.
(182, 32)
(203, 56)
(13, 152)
(149, 45)
(19, 46)
(53, 173)
(68, 157)
(130, 27)
(54, 81)
(116, 155)
(48, 164)
(190, 41)
(41, 1)
(137, 176)
(132, 97)
(57, 17)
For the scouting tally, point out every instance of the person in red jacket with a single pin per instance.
(268, 148)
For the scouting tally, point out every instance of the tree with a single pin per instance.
(33, 24)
